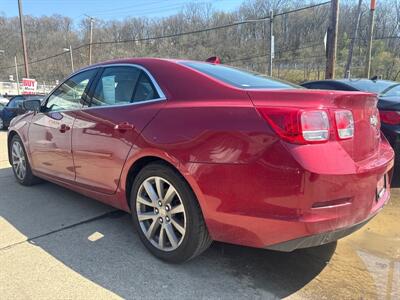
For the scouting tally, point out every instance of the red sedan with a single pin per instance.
(199, 152)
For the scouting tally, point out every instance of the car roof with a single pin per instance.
(174, 78)
(134, 60)
(349, 80)
(142, 61)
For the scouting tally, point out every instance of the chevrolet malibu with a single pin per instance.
(200, 151)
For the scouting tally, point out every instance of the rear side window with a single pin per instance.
(123, 85)
(144, 89)
(239, 78)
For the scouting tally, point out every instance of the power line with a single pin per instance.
(303, 8)
(143, 11)
(148, 7)
(301, 58)
(279, 51)
(125, 8)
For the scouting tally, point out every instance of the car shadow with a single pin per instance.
(115, 259)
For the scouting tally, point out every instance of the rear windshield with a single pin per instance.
(239, 78)
(369, 85)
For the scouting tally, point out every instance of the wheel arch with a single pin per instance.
(134, 170)
(137, 165)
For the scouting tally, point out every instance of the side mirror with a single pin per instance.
(31, 105)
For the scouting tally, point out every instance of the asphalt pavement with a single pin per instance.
(56, 244)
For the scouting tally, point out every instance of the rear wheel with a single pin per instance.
(20, 164)
(167, 215)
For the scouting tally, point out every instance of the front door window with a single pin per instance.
(71, 95)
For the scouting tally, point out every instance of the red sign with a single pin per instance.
(29, 86)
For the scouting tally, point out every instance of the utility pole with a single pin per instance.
(90, 38)
(72, 59)
(16, 72)
(370, 38)
(271, 42)
(21, 21)
(332, 41)
(347, 71)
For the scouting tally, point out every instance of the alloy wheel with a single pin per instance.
(18, 160)
(161, 213)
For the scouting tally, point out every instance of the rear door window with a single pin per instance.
(122, 85)
(116, 86)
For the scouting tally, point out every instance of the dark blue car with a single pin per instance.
(14, 108)
(388, 104)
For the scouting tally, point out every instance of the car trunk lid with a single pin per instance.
(365, 142)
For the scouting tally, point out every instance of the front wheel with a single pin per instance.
(20, 164)
(167, 215)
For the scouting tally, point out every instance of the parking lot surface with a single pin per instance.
(57, 244)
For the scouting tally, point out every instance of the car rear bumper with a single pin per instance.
(278, 199)
(318, 239)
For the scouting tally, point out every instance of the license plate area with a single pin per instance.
(381, 187)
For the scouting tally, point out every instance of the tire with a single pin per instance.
(178, 230)
(23, 173)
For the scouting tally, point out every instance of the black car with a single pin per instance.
(388, 104)
(14, 108)
(365, 85)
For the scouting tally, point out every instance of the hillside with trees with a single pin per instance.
(299, 39)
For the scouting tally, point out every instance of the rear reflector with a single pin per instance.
(296, 125)
(344, 124)
(332, 203)
(390, 117)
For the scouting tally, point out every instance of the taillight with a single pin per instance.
(344, 124)
(297, 125)
(390, 117)
(315, 125)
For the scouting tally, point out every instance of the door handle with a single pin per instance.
(124, 126)
(64, 128)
